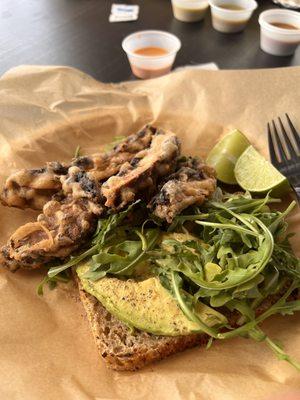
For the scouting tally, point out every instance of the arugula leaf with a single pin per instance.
(281, 216)
(77, 152)
(51, 282)
(122, 258)
(258, 335)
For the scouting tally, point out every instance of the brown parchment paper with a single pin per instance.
(46, 349)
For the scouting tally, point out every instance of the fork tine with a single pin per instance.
(295, 134)
(281, 152)
(287, 140)
(271, 144)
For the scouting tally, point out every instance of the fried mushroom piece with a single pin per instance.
(33, 187)
(62, 227)
(86, 173)
(192, 183)
(139, 177)
(101, 166)
(79, 185)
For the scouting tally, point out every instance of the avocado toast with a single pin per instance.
(202, 280)
(164, 259)
(125, 349)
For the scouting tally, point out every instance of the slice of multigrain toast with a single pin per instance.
(123, 349)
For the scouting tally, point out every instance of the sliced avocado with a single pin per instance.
(146, 305)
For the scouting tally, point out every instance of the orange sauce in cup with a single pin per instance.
(151, 51)
(144, 72)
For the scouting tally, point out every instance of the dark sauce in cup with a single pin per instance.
(228, 25)
(231, 7)
(285, 46)
(283, 25)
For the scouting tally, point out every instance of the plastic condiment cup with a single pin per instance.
(279, 41)
(151, 66)
(228, 20)
(189, 10)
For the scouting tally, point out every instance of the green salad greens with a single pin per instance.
(233, 255)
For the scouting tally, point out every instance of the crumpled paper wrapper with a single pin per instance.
(46, 348)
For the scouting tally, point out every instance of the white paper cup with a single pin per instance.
(151, 66)
(279, 41)
(189, 10)
(231, 21)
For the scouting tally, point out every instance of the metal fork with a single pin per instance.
(284, 151)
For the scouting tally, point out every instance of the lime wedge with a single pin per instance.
(255, 174)
(225, 154)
